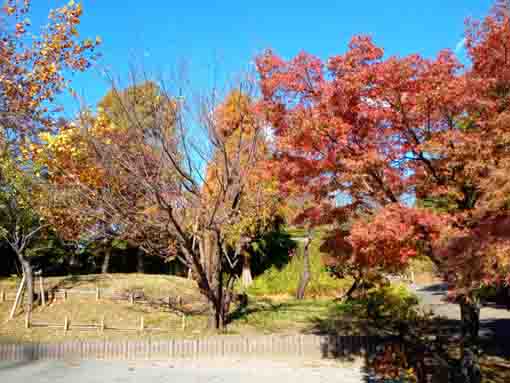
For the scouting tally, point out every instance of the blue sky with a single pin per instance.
(228, 34)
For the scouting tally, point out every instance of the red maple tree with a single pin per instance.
(405, 155)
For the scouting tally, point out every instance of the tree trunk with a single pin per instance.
(29, 277)
(470, 322)
(140, 268)
(352, 289)
(470, 318)
(305, 277)
(246, 277)
(210, 258)
(470, 364)
(106, 261)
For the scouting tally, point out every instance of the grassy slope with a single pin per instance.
(263, 315)
(80, 308)
(284, 282)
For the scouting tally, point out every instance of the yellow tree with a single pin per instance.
(33, 68)
(93, 192)
(261, 203)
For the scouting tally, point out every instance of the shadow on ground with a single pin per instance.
(428, 344)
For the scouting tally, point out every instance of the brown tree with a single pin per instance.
(154, 186)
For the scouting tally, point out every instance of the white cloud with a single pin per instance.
(460, 45)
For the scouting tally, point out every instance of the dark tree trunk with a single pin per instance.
(470, 322)
(210, 258)
(140, 267)
(470, 318)
(305, 277)
(106, 261)
(470, 365)
(218, 308)
(29, 280)
(74, 262)
(352, 289)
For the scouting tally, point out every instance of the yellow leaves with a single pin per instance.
(10, 10)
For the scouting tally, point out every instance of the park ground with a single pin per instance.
(218, 371)
(266, 313)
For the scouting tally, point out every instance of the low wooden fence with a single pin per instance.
(68, 325)
(100, 294)
(298, 346)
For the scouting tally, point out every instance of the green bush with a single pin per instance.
(392, 304)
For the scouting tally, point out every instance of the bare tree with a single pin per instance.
(173, 179)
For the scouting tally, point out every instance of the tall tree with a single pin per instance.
(370, 134)
(261, 204)
(32, 75)
(159, 188)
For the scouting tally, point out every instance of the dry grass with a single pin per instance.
(155, 286)
(263, 315)
(84, 309)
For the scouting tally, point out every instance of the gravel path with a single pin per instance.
(217, 371)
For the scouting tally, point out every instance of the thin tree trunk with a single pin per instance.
(352, 289)
(140, 267)
(106, 261)
(246, 277)
(305, 277)
(29, 277)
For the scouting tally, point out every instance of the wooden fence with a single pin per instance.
(298, 346)
(100, 325)
(99, 294)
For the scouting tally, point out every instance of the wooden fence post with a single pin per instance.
(183, 321)
(66, 324)
(2, 296)
(102, 324)
(65, 295)
(131, 298)
(142, 324)
(19, 294)
(27, 320)
(97, 294)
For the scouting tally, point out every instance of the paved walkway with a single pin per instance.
(218, 371)
(493, 321)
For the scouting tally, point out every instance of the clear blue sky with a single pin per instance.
(230, 33)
